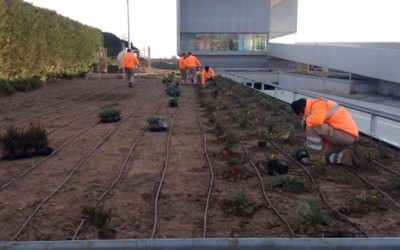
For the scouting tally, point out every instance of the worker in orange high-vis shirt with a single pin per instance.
(129, 64)
(207, 76)
(192, 65)
(330, 131)
(182, 67)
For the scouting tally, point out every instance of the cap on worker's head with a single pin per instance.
(189, 53)
(207, 68)
(299, 106)
(129, 50)
(183, 53)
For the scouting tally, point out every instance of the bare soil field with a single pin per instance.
(181, 183)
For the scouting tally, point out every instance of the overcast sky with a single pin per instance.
(153, 22)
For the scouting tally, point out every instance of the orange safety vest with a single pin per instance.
(192, 62)
(130, 61)
(182, 63)
(320, 111)
(206, 75)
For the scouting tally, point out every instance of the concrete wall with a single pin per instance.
(224, 16)
(371, 61)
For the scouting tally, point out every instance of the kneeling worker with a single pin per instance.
(330, 130)
(207, 76)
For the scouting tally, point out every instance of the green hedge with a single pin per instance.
(36, 42)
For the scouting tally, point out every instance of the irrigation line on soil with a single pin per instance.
(211, 185)
(104, 139)
(385, 168)
(48, 105)
(47, 157)
(163, 174)
(86, 114)
(24, 112)
(375, 187)
(56, 150)
(52, 110)
(319, 190)
(83, 106)
(78, 229)
(261, 183)
(314, 184)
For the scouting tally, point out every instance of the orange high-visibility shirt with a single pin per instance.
(207, 75)
(192, 62)
(320, 111)
(130, 61)
(182, 63)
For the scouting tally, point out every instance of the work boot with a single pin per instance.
(358, 157)
(130, 85)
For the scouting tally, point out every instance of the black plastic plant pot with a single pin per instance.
(275, 167)
(262, 144)
(302, 153)
(110, 119)
(38, 152)
(160, 128)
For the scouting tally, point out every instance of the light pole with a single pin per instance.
(129, 30)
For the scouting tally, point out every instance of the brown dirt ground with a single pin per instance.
(158, 183)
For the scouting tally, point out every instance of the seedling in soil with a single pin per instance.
(288, 136)
(395, 182)
(241, 199)
(291, 184)
(212, 119)
(313, 213)
(318, 163)
(234, 115)
(369, 157)
(370, 197)
(383, 152)
(173, 102)
(230, 142)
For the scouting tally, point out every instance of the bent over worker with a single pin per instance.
(330, 130)
(129, 64)
(207, 76)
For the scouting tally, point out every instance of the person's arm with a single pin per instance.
(319, 112)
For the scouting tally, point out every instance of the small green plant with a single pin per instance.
(291, 184)
(288, 136)
(98, 216)
(318, 163)
(153, 120)
(212, 119)
(370, 197)
(173, 91)
(173, 102)
(383, 152)
(234, 115)
(110, 113)
(241, 199)
(230, 142)
(312, 213)
(395, 182)
(369, 157)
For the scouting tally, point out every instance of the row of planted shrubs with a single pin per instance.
(8, 87)
(18, 139)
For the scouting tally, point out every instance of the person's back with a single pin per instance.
(129, 64)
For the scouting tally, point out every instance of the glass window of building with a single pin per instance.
(223, 42)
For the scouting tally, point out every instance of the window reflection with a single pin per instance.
(223, 42)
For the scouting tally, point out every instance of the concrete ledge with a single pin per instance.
(221, 243)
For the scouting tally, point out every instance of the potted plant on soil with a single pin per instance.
(110, 115)
(100, 217)
(20, 143)
(155, 125)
